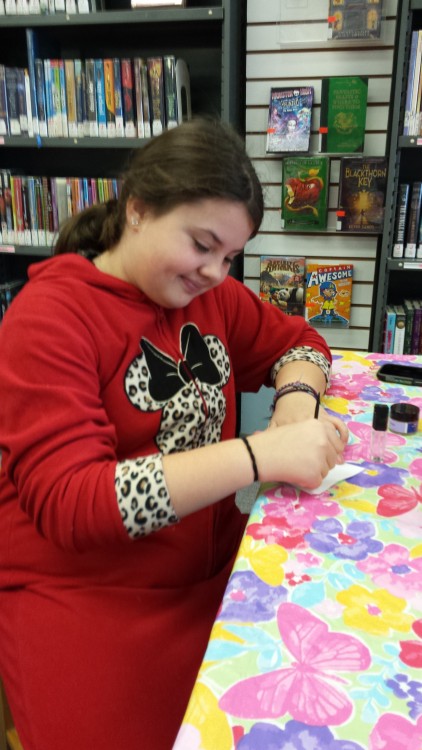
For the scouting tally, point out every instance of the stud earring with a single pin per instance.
(134, 222)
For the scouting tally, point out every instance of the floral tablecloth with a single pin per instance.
(318, 642)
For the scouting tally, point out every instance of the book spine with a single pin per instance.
(323, 129)
(79, 94)
(49, 98)
(57, 97)
(28, 101)
(40, 212)
(109, 97)
(100, 90)
(84, 102)
(9, 230)
(16, 186)
(26, 211)
(23, 109)
(54, 209)
(412, 235)
(146, 110)
(138, 98)
(63, 99)
(414, 114)
(390, 326)
(410, 79)
(31, 46)
(41, 98)
(170, 91)
(409, 311)
(399, 332)
(156, 89)
(11, 75)
(4, 117)
(400, 223)
(417, 327)
(33, 211)
(3, 223)
(91, 98)
(72, 121)
(118, 103)
(127, 97)
(184, 104)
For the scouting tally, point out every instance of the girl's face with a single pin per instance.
(182, 254)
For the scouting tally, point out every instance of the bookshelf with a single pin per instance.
(398, 277)
(209, 38)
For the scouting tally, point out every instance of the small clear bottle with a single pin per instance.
(378, 433)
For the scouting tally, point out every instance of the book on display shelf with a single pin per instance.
(399, 329)
(305, 193)
(289, 119)
(362, 186)
(343, 114)
(282, 282)
(328, 294)
(355, 19)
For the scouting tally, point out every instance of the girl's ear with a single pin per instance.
(135, 211)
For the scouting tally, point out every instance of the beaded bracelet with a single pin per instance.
(292, 388)
(250, 451)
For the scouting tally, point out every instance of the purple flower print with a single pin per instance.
(249, 599)
(378, 474)
(409, 690)
(355, 542)
(294, 736)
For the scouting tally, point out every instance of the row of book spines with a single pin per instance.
(407, 237)
(109, 97)
(45, 7)
(403, 328)
(32, 209)
(412, 112)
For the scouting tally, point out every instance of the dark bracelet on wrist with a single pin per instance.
(253, 459)
(292, 388)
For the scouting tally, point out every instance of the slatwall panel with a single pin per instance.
(282, 51)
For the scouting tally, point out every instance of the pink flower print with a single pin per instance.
(411, 651)
(393, 570)
(360, 450)
(415, 468)
(394, 732)
(307, 687)
(397, 500)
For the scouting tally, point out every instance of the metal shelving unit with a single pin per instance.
(210, 38)
(398, 278)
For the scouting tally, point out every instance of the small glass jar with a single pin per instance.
(404, 418)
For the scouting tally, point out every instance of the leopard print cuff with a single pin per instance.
(142, 496)
(305, 353)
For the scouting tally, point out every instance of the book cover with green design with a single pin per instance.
(304, 203)
(343, 114)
